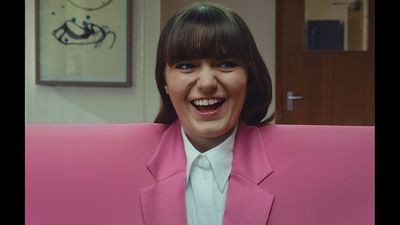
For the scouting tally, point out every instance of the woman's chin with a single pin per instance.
(213, 128)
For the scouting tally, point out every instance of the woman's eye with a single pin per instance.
(227, 65)
(184, 66)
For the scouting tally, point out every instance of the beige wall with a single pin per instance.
(139, 103)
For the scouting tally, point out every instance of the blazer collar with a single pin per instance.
(249, 157)
(169, 157)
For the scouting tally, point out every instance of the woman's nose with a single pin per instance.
(207, 81)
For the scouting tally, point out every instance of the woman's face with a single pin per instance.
(208, 96)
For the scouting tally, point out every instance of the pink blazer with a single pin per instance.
(135, 174)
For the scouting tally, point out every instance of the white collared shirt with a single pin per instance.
(207, 181)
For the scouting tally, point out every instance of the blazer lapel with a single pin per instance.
(164, 202)
(247, 202)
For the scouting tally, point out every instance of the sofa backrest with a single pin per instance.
(90, 174)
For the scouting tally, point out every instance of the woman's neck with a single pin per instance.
(203, 144)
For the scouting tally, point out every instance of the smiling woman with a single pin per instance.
(212, 81)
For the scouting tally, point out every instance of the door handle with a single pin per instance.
(290, 98)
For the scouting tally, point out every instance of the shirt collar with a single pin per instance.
(220, 158)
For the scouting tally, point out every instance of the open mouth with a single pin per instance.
(207, 104)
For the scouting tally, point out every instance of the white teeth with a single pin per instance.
(205, 102)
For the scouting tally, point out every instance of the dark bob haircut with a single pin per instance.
(208, 30)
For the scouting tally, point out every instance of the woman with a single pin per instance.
(211, 78)
(216, 162)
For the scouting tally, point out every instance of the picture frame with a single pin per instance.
(83, 43)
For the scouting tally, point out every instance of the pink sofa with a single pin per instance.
(91, 174)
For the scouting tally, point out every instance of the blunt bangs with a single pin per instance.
(204, 33)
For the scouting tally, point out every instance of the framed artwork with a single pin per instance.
(83, 42)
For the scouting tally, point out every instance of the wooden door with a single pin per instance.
(337, 87)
